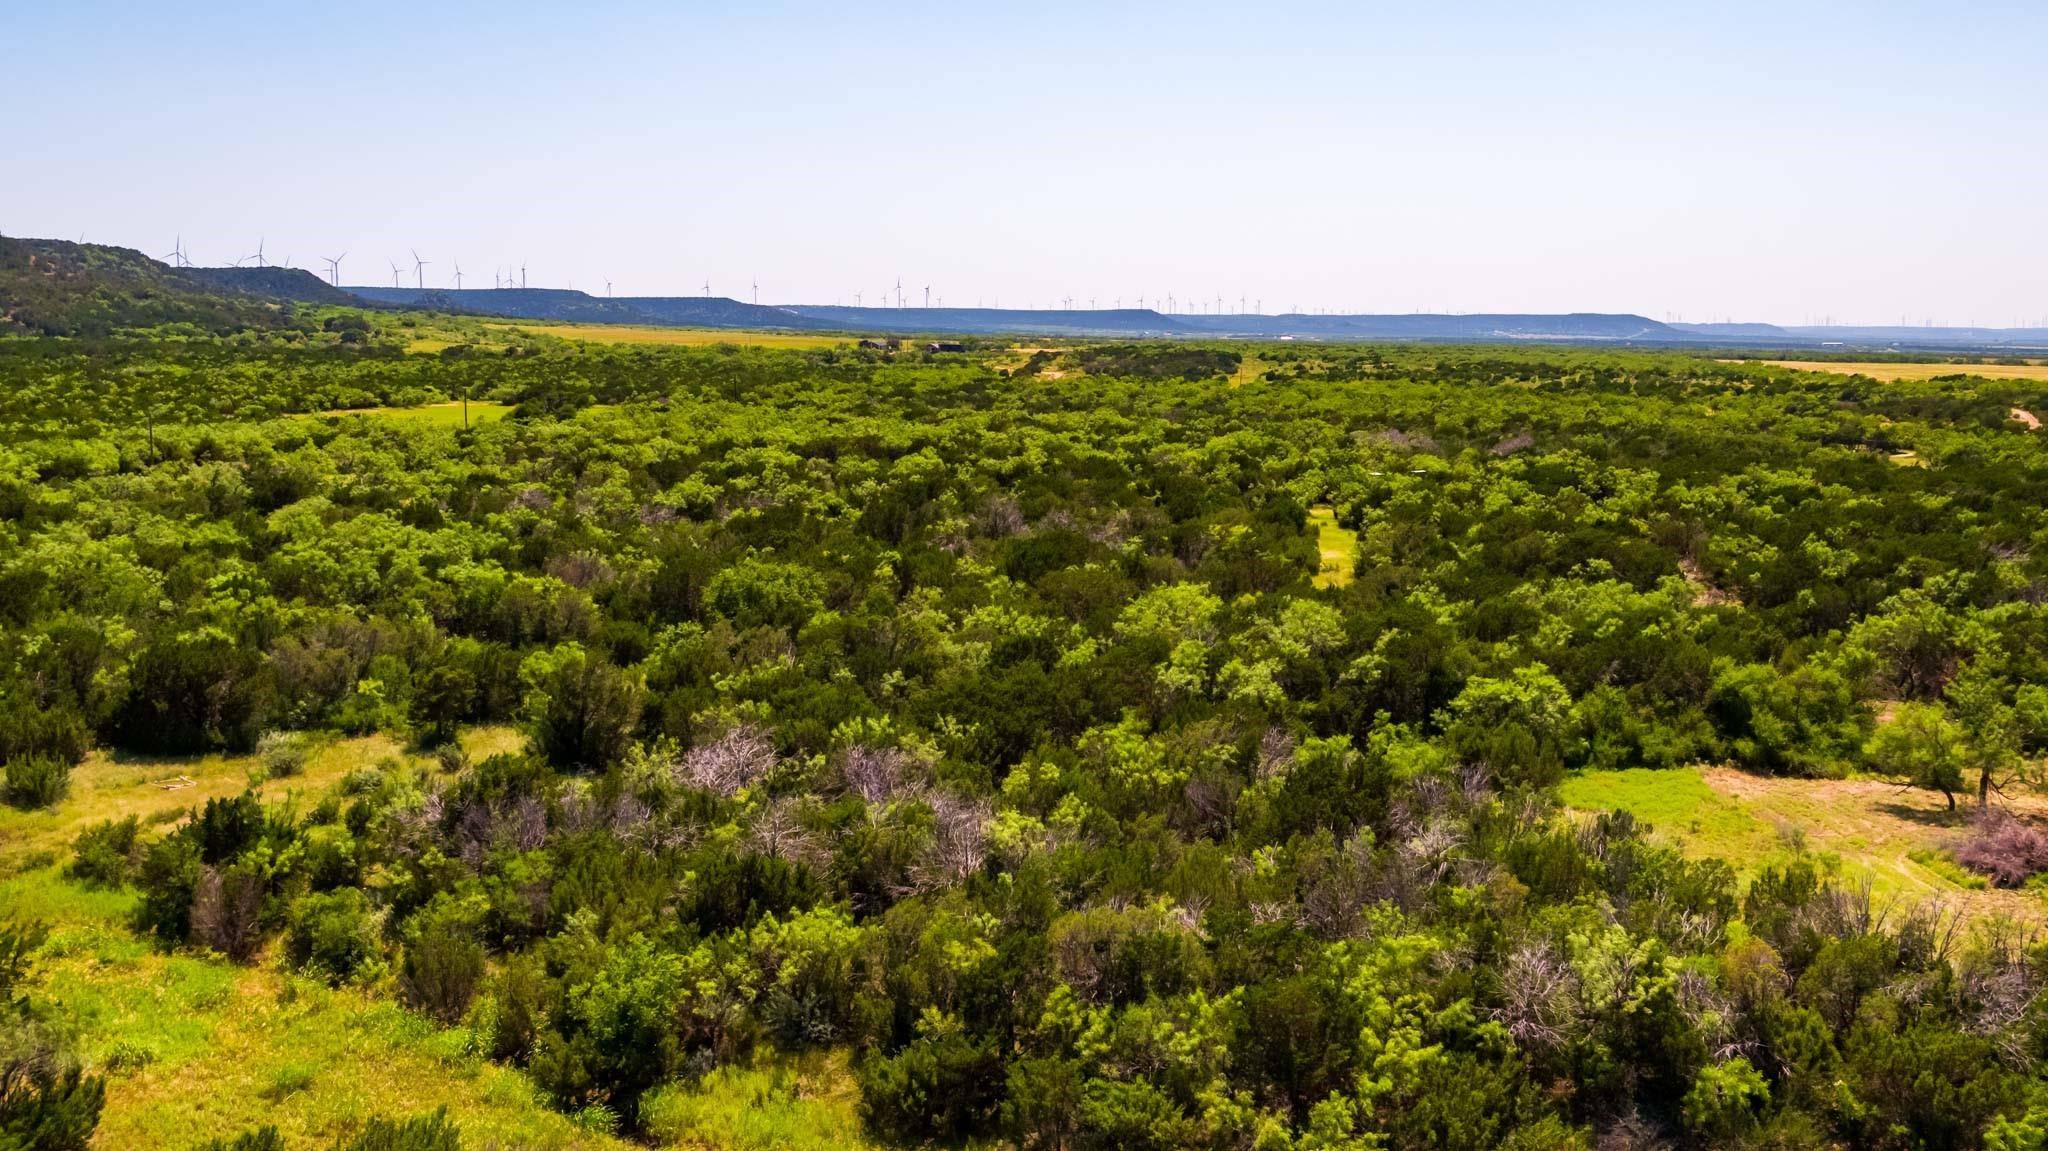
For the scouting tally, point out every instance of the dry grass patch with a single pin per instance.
(1895, 837)
(1337, 544)
(448, 415)
(1889, 372)
(159, 789)
(683, 337)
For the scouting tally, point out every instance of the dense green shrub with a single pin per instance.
(47, 1101)
(442, 963)
(283, 754)
(37, 781)
(106, 853)
(333, 934)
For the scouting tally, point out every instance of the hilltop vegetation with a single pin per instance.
(58, 288)
(993, 751)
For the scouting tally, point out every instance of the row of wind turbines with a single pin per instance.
(181, 257)
(1169, 303)
(502, 278)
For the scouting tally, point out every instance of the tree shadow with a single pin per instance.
(1928, 816)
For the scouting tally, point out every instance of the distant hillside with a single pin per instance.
(718, 312)
(267, 283)
(999, 321)
(59, 288)
(1484, 327)
(1766, 332)
(581, 307)
(1925, 336)
(1580, 327)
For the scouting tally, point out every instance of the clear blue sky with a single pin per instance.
(1764, 161)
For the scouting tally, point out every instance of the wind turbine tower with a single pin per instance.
(394, 273)
(419, 270)
(458, 275)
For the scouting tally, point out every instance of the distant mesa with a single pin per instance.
(57, 287)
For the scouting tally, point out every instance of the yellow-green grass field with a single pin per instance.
(1897, 838)
(196, 1047)
(1914, 371)
(448, 415)
(685, 337)
(1338, 545)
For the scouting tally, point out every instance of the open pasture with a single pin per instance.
(1915, 371)
(674, 337)
(448, 415)
(1864, 829)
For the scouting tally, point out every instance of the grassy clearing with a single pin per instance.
(1865, 829)
(685, 337)
(1338, 545)
(448, 415)
(1889, 372)
(113, 786)
(196, 1047)
(1678, 804)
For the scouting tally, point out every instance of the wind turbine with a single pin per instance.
(334, 269)
(757, 291)
(394, 273)
(258, 257)
(856, 299)
(707, 285)
(458, 275)
(522, 275)
(607, 287)
(177, 256)
(927, 295)
(899, 291)
(419, 270)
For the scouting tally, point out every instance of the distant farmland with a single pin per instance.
(688, 337)
(1917, 371)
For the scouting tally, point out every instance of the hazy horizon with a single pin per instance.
(1788, 164)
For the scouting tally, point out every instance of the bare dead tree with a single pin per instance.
(226, 908)
(959, 839)
(1276, 751)
(740, 757)
(875, 774)
(1539, 993)
(778, 832)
